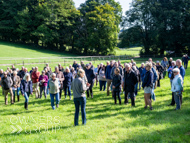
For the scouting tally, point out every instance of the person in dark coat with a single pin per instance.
(116, 85)
(186, 60)
(108, 76)
(148, 85)
(75, 65)
(160, 69)
(130, 80)
(90, 77)
(67, 82)
(21, 73)
(26, 89)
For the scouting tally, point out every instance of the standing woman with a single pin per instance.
(16, 85)
(177, 87)
(160, 69)
(54, 87)
(116, 85)
(43, 79)
(102, 77)
(26, 89)
(165, 65)
(79, 87)
(148, 85)
(67, 82)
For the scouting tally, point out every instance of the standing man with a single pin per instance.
(6, 83)
(186, 60)
(108, 77)
(90, 77)
(35, 81)
(61, 78)
(75, 65)
(130, 80)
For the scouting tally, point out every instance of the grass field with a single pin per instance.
(106, 122)
(129, 51)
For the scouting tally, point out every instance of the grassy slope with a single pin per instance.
(106, 122)
(129, 51)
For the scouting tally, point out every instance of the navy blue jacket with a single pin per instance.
(90, 75)
(148, 79)
(75, 66)
(182, 72)
(23, 86)
(108, 72)
(186, 59)
(68, 79)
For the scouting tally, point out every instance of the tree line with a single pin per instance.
(58, 25)
(158, 25)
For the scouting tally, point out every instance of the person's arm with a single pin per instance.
(62, 78)
(21, 88)
(19, 81)
(83, 86)
(180, 82)
(11, 82)
(31, 89)
(111, 74)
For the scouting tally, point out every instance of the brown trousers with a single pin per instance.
(6, 92)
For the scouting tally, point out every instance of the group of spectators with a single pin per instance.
(81, 78)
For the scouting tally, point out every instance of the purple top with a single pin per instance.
(45, 78)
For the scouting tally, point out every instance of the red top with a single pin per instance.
(35, 77)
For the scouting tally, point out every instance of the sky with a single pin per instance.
(124, 3)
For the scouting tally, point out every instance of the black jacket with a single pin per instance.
(130, 79)
(90, 75)
(6, 83)
(117, 80)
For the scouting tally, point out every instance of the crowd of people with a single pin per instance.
(80, 78)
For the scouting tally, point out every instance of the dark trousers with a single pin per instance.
(173, 100)
(131, 94)
(67, 89)
(115, 95)
(102, 83)
(60, 93)
(158, 83)
(80, 102)
(185, 65)
(91, 92)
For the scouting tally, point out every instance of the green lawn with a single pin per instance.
(128, 51)
(106, 122)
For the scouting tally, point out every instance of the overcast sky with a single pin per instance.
(124, 3)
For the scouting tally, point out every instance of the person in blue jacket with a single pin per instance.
(108, 77)
(141, 75)
(26, 89)
(67, 82)
(90, 77)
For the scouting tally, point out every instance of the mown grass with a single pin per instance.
(135, 51)
(106, 122)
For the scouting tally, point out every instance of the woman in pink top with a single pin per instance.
(43, 79)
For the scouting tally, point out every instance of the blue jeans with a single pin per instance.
(152, 94)
(18, 89)
(80, 102)
(47, 92)
(26, 96)
(67, 88)
(177, 96)
(185, 65)
(102, 83)
(56, 96)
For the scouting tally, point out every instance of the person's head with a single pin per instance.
(98, 66)
(107, 63)
(56, 69)
(81, 73)
(101, 65)
(171, 59)
(117, 71)
(17, 70)
(165, 59)
(119, 62)
(25, 70)
(142, 65)
(43, 72)
(158, 63)
(53, 76)
(67, 70)
(150, 60)
(47, 65)
(36, 69)
(186, 55)
(33, 68)
(148, 66)
(116, 64)
(125, 64)
(75, 62)
(8, 68)
(5, 74)
(176, 71)
(127, 67)
(70, 66)
(1, 71)
(27, 77)
(111, 63)
(59, 65)
(72, 69)
(15, 73)
(88, 66)
(132, 60)
(13, 66)
(90, 63)
(134, 63)
(178, 63)
(82, 62)
(173, 63)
